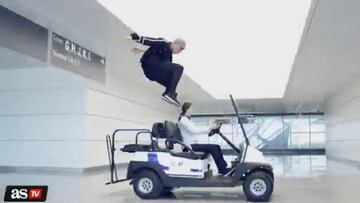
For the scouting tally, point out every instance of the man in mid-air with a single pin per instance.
(158, 66)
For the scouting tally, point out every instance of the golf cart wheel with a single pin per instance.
(168, 189)
(258, 186)
(272, 183)
(147, 185)
(167, 192)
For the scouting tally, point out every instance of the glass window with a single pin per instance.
(318, 140)
(317, 123)
(270, 132)
(298, 123)
(299, 140)
(202, 121)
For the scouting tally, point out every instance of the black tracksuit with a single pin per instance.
(157, 63)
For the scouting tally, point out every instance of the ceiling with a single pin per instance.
(328, 59)
(225, 40)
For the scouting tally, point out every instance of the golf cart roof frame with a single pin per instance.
(239, 120)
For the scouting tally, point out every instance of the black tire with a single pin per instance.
(167, 192)
(168, 189)
(258, 186)
(147, 185)
(272, 183)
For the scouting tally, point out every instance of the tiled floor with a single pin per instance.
(298, 179)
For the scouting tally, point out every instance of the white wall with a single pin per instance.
(54, 118)
(328, 57)
(41, 117)
(342, 113)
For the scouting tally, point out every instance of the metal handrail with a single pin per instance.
(110, 145)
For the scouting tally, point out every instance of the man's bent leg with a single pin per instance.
(175, 76)
(161, 74)
(165, 73)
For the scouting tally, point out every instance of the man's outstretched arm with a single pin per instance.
(138, 50)
(148, 41)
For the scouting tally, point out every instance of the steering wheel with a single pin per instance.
(215, 131)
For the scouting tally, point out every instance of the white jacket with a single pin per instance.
(189, 130)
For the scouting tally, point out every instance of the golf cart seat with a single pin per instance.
(156, 132)
(131, 148)
(173, 134)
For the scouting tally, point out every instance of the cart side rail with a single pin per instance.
(110, 145)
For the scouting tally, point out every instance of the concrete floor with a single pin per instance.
(298, 179)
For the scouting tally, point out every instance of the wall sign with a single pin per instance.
(22, 35)
(73, 57)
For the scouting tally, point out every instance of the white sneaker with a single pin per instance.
(172, 99)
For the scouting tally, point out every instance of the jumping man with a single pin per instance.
(158, 66)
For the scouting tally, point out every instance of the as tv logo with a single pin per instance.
(20, 193)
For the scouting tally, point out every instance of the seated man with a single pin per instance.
(189, 131)
(158, 66)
